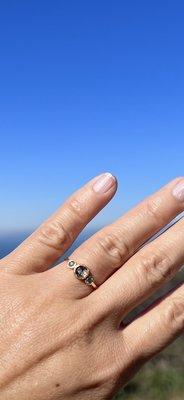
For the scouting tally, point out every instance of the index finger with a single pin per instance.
(56, 234)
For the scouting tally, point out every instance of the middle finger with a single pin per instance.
(111, 247)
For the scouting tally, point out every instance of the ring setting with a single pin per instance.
(82, 272)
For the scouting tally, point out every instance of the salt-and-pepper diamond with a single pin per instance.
(81, 272)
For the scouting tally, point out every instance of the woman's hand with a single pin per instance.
(60, 338)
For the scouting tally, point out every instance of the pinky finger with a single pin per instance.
(156, 328)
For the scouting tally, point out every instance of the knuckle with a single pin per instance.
(54, 235)
(156, 267)
(152, 207)
(174, 313)
(114, 247)
(76, 208)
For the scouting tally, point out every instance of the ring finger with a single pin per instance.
(149, 269)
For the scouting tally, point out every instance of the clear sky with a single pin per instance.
(88, 87)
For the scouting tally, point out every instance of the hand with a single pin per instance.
(60, 338)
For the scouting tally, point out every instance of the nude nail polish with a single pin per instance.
(104, 183)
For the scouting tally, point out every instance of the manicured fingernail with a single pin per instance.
(104, 183)
(178, 191)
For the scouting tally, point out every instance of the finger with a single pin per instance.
(156, 328)
(107, 250)
(56, 234)
(149, 269)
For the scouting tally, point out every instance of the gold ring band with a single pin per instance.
(81, 272)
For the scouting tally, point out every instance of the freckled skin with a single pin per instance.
(62, 340)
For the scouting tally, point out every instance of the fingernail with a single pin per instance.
(178, 191)
(104, 183)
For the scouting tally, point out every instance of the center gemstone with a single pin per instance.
(81, 272)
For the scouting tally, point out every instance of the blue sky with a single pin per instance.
(88, 87)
